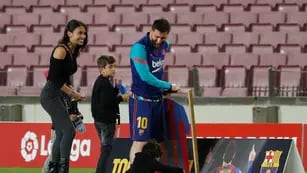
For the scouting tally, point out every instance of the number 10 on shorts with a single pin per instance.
(142, 122)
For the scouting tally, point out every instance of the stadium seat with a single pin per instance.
(96, 9)
(178, 75)
(198, 8)
(15, 10)
(289, 48)
(137, 4)
(179, 8)
(245, 18)
(274, 60)
(288, 7)
(230, 8)
(104, 18)
(209, 2)
(131, 38)
(273, 38)
(4, 3)
(216, 18)
(288, 27)
(108, 38)
(5, 20)
(234, 76)
(272, 3)
(123, 50)
(207, 76)
(40, 49)
(80, 3)
(38, 82)
(180, 28)
(70, 9)
(262, 27)
(259, 8)
(217, 60)
(27, 39)
(5, 59)
(84, 17)
(207, 48)
(169, 59)
(299, 2)
(272, 17)
(97, 50)
(124, 8)
(260, 80)
(246, 59)
(297, 17)
(16, 49)
(200, 28)
(246, 38)
(97, 28)
(125, 29)
(57, 19)
(218, 38)
(190, 38)
(188, 59)
(234, 28)
(155, 8)
(86, 59)
(42, 29)
(50, 38)
(27, 59)
(163, 3)
(211, 92)
(234, 48)
(91, 73)
(245, 3)
(16, 29)
(171, 17)
(297, 38)
(290, 80)
(262, 49)
(136, 18)
(180, 48)
(297, 59)
(54, 3)
(189, 18)
(17, 76)
(109, 3)
(6, 39)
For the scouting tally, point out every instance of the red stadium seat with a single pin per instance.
(108, 38)
(272, 17)
(234, 76)
(262, 27)
(27, 59)
(86, 59)
(5, 59)
(272, 3)
(245, 3)
(218, 38)
(124, 9)
(274, 59)
(97, 50)
(5, 20)
(178, 75)
(207, 76)
(207, 48)
(259, 8)
(297, 17)
(273, 38)
(125, 29)
(297, 59)
(260, 80)
(16, 29)
(180, 48)
(234, 28)
(190, 38)
(50, 38)
(188, 59)
(189, 18)
(297, 38)
(17, 76)
(163, 3)
(180, 28)
(247, 60)
(262, 49)
(200, 28)
(39, 9)
(104, 18)
(289, 48)
(96, 9)
(155, 8)
(245, 18)
(131, 38)
(288, 27)
(54, 3)
(137, 3)
(80, 3)
(290, 80)
(57, 19)
(42, 29)
(217, 60)
(234, 48)
(179, 8)
(216, 18)
(109, 3)
(171, 17)
(230, 8)
(288, 8)
(136, 18)
(15, 10)
(204, 8)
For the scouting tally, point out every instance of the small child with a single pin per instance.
(148, 160)
(105, 108)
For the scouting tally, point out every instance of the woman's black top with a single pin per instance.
(105, 101)
(60, 70)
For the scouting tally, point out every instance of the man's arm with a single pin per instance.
(138, 56)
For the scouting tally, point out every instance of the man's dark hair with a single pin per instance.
(161, 25)
(104, 60)
(152, 147)
(230, 151)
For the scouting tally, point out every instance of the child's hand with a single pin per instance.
(126, 96)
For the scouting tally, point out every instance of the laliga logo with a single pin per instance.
(29, 146)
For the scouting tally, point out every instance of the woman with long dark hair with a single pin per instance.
(58, 92)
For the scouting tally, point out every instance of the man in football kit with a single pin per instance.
(145, 105)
